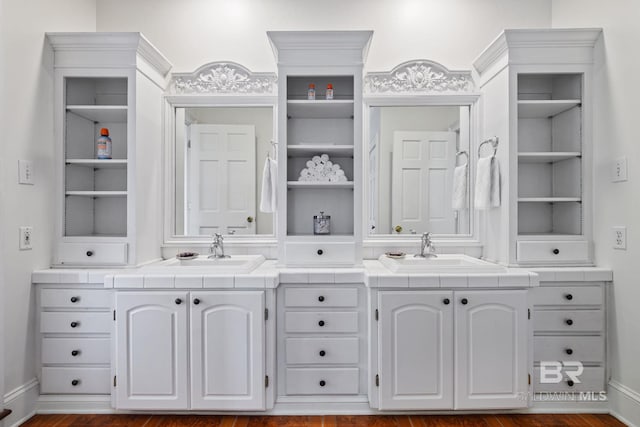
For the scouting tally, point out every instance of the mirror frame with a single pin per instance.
(420, 83)
(216, 84)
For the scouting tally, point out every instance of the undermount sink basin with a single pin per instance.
(232, 264)
(452, 264)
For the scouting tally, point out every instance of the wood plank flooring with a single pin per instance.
(510, 420)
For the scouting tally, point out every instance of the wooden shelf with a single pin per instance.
(306, 150)
(320, 109)
(547, 156)
(98, 163)
(548, 199)
(323, 184)
(96, 193)
(100, 113)
(539, 109)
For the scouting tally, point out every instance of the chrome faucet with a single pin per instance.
(216, 249)
(427, 244)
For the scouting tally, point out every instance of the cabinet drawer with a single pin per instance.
(75, 381)
(559, 348)
(567, 251)
(321, 297)
(568, 295)
(568, 321)
(75, 323)
(75, 298)
(92, 253)
(75, 351)
(320, 253)
(322, 381)
(591, 379)
(322, 350)
(326, 321)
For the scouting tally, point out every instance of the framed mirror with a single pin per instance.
(419, 152)
(220, 127)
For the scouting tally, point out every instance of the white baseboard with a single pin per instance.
(74, 404)
(22, 402)
(624, 403)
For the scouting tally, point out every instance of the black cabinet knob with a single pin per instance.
(323, 383)
(446, 301)
(569, 297)
(464, 301)
(89, 253)
(178, 301)
(320, 251)
(321, 298)
(322, 353)
(556, 251)
(569, 322)
(74, 353)
(75, 299)
(75, 382)
(570, 383)
(321, 323)
(196, 301)
(74, 324)
(569, 351)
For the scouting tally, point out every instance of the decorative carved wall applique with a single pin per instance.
(223, 78)
(419, 76)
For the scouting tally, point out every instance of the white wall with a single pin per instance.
(27, 133)
(193, 32)
(616, 134)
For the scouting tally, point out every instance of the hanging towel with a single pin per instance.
(269, 186)
(487, 194)
(460, 179)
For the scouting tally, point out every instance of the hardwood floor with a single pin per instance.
(537, 420)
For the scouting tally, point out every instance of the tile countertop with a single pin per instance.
(269, 275)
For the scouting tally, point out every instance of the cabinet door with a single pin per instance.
(492, 337)
(227, 350)
(415, 350)
(151, 348)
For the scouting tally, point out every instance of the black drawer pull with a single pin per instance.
(323, 383)
(75, 324)
(196, 301)
(322, 353)
(569, 351)
(321, 323)
(556, 251)
(178, 301)
(569, 322)
(74, 353)
(569, 297)
(464, 301)
(320, 251)
(75, 382)
(75, 299)
(321, 298)
(570, 383)
(446, 301)
(89, 253)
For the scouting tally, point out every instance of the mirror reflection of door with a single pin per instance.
(422, 181)
(221, 181)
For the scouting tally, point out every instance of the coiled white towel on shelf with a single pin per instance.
(487, 194)
(269, 186)
(460, 180)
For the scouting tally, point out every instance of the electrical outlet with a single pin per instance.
(25, 172)
(619, 237)
(619, 172)
(26, 234)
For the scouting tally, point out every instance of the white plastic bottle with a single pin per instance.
(103, 147)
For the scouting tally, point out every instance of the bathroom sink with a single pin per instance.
(452, 264)
(232, 264)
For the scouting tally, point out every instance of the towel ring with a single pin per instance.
(460, 153)
(494, 143)
(274, 146)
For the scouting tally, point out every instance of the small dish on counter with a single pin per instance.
(395, 255)
(185, 256)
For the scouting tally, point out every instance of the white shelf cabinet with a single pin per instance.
(312, 127)
(539, 106)
(102, 202)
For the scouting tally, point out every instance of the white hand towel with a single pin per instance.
(487, 194)
(269, 186)
(460, 179)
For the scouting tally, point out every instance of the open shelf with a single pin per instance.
(547, 156)
(321, 184)
(532, 109)
(306, 150)
(320, 109)
(96, 193)
(548, 199)
(98, 163)
(100, 113)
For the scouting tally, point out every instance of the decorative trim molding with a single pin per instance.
(624, 403)
(419, 76)
(22, 402)
(223, 78)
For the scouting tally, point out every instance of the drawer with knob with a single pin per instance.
(306, 381)
(321, 322)
(591, 379)
(75, 351)
(75, 298)
(75, 380)
(301, 351)
(585, 349)
(92, 253)
(568, 321)
(545, 251)
(321, 253)
(568, 295)
(75, 322)
(321, 297)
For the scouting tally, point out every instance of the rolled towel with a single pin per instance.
(310, 164)
(342, 178)
(340, 172)
(324, 157)
(460, 180)
(335, 167)
(487, 192)
(316, 160)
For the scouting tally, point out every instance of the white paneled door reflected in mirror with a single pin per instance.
(417, 179)
(220, 153)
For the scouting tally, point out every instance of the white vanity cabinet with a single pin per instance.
(452, 349)
(106, 207)
(190, 350)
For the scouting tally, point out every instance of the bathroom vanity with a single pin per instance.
(297, 322)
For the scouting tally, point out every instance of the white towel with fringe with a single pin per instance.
(487, 193)
(460, 186)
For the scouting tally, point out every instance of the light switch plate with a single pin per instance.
(619, 237)
(25, 172)
(26, 234)
(619, 172)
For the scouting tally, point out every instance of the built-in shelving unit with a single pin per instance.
(318, 185)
